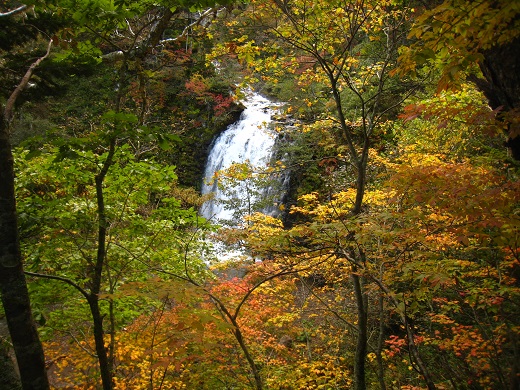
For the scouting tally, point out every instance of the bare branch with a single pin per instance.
(9, 106)
(197, 22)
(80, 344)
(15, 11)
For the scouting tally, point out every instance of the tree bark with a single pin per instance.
(381, 343)
(232, 319)
(13, 286)
(105, 367)
(101, 351)
(362, 338)
(501, 86)
(9, 380)
(421, 366)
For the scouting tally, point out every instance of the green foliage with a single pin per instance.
(147, 228)
(464, 126)
(176, 116)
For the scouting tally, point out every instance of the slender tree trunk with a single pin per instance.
(101, 351)
(422, 368)
(256, 374)
(414, 351)
(380, 343)
(232, 319)
(362, 337)
(13, 286)
(105, 367)
(112, 330)
(361, 179)
(360, 161)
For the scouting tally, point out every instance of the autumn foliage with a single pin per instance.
(393, 259)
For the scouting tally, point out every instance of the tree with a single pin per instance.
(13, 287)
(60, 222)
(244, 190)
(102, 20)
(460, 37)
(353, 56)
(460, 253)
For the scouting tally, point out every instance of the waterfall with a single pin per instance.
(247, 140)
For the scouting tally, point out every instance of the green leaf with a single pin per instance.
(33, 153)
(65, 152)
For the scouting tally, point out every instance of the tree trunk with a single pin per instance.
(105, 365)
(501, 70)
(362, 339)
(101, 351)
(421, 366)
(361, 178)
(381, 343)
(13, 287)
(230, 318)
(9, 380)
(254, 369)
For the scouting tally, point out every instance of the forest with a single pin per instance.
(389, 257)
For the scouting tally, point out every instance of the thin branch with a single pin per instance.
(197, 22)
(9, 105)
(62, 279)
(288, 271)
(155, 34)
(15, 11)
(327, 307)
(79, 344)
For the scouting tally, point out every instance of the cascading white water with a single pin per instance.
(248, 139)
